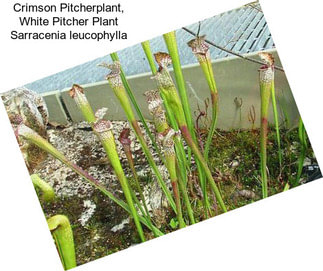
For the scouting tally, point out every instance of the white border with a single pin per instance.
(283, 232)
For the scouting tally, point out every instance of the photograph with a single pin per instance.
(161, 135)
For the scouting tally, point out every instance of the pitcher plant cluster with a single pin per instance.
(173, 138)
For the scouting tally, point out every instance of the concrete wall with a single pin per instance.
(236, 79)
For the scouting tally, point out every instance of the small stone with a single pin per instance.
(234, 163)
(121, 225)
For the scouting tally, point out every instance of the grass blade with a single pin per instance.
(303, 142)
(116, 84)
(276, 120)
(166, 85)
(103, 130)
(170, 40)
(114, 57)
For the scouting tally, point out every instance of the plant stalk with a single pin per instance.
(275, 111)
(266, 78)
(118, 88)
(126, 142)
(146, 47)
(183, 190)
(170, 40)
(201, 51)
(42, 143)
(170, 115)
(103, 130)
(166, 137)
(169, 152)
(166, 86)
(302, 139)
(199, 156)
(114, 57)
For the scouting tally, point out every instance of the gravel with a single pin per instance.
(80, 145)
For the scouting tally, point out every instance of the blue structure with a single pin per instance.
(242, 30)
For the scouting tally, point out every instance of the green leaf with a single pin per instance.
(173, 223)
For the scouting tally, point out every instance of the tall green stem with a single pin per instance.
(126, 142)
(170, 158)
(116, 84)
(146, 47)
(183, 190)
(62, 233)
(34, 138)
(166, 136)
(166, 86)
(302, 139)
(276, 119)
(266, 79)
(170, 40)
(103, 129)
(170, 115)
(199, 156)
(114, 57)
(201, 51)
(263, 155)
